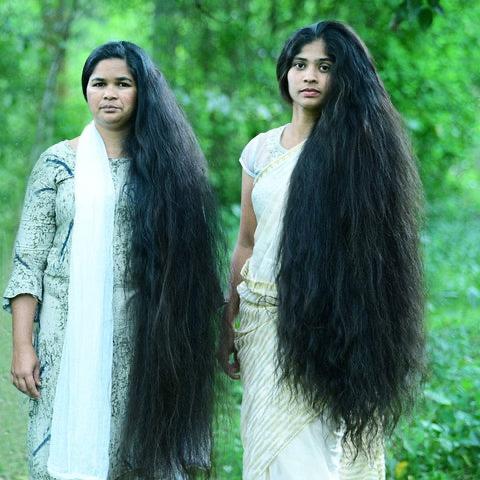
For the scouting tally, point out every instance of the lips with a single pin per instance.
(310, 90)
(109, 107)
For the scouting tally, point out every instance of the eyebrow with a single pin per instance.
(326, 59)
(118, 79)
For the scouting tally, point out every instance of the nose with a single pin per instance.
(310, 74)
(109, 92)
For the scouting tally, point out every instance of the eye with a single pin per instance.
(98, 84)
(324, 67)
(299, 65)
(124, 84)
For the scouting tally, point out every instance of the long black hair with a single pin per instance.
(174, 274)
(350, 274)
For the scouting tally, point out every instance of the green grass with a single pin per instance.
(441, 441)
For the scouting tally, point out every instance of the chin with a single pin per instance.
(313, 108)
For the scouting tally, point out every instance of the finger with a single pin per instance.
(236, 361)
(230, 369)
(21, 385)
(233, 374)
(36, 375)
(223, 358)
(31, 387)
(225, 364)
(233, 369)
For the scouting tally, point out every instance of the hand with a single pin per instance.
(26, 370)
(226, 350)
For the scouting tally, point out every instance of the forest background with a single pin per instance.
(219, 57)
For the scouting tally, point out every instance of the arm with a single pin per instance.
(24, 290)
(25, 365)
(242, 252)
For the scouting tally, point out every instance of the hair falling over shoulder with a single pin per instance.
(350, 273)
(174, 269)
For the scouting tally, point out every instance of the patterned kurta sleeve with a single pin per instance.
(35, 234)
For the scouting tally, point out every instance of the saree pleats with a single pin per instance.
(269, 418)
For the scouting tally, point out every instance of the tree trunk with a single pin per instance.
(57, 20)
(165, 36)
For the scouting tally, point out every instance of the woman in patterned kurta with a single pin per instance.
(325, 350)
(163, 310)
(41, 269)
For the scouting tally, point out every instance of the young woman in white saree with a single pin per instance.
(326, 273)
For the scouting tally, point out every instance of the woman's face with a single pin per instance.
(112, 94)
(309, 76)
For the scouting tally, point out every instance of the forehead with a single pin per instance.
(111, 68)
(313, 50)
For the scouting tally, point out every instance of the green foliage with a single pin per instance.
(442, 439)
(422, 10)
(220, 57)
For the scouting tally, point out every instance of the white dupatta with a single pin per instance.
(80, 431)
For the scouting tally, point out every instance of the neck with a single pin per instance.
(302, 122)
(113, 140)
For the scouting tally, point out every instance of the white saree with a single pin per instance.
(282, 438)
